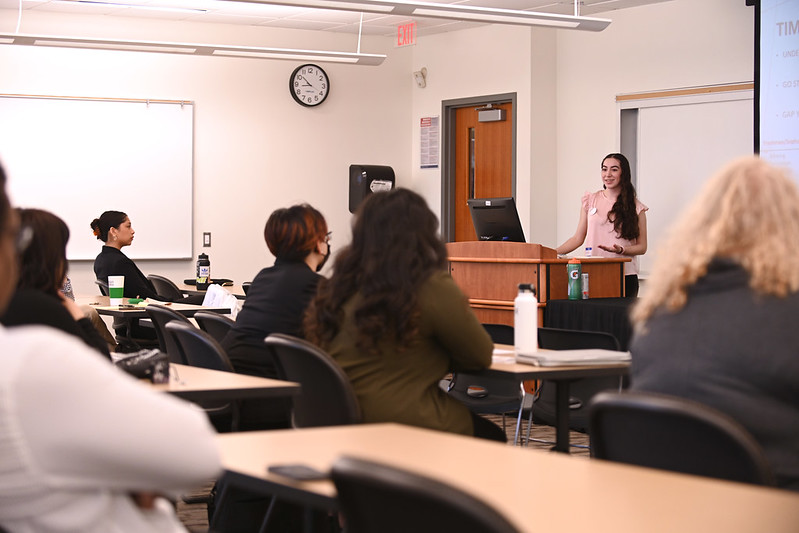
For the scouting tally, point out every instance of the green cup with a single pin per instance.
(116, 289)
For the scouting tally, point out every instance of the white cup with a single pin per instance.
(116, 290)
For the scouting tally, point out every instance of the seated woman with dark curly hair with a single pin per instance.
(396, 321)
(43, 269)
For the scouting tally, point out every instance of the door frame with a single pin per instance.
(448, 108)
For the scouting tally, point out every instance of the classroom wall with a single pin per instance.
(255, 149)
(682, 43)
(491, 60)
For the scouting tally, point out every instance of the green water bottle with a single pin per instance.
(573, 271)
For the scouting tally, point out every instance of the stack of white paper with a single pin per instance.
(573, 357)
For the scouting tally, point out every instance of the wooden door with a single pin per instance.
(483, 163)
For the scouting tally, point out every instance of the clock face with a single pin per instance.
(309, 85)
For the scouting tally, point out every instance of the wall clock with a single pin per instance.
(309, 85)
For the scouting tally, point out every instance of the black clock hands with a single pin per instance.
(307, 82)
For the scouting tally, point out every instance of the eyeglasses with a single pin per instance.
(23, 239)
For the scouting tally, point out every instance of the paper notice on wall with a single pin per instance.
(429, 151)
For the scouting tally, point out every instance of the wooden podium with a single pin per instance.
(489, 273)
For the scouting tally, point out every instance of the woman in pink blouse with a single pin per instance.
(613, 221)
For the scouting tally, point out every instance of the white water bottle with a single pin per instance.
(525, 320)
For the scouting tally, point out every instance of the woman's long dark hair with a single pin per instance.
(624, 215)
(43, 264)
(395, 248)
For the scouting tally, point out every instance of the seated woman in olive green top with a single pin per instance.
(396, 321)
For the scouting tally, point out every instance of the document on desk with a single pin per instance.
(502, 355)
(573, 357)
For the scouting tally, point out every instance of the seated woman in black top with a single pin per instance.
(115, 230)
(298, 238)
(43, 268)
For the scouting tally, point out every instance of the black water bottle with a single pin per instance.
(203, 272)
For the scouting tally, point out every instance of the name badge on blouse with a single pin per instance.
(592, 211)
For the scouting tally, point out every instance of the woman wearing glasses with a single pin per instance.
(298, 238)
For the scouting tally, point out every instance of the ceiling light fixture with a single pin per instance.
(450, 11)
(194, 49)
(125, 5)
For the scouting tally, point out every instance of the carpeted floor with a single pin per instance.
(542, 438)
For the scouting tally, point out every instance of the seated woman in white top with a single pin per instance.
(84, 447)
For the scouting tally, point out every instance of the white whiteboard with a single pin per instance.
(680, 145)
(80, 157)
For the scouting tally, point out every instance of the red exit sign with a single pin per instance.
(406, 34)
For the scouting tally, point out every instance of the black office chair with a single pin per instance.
(326, 397)
(161, 316)
(215, 324)
(165, 288)
(103, 285)
(126, 330)
(246, 287)
(580, 391)
(670, 433)
(199, 349)
(484, 394)
(500, 333)
(377, 497)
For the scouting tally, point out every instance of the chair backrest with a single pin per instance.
(103, 285)
(326, 397)
(573, 339)
(198, 348)
(215, 324)
(165, 288)
(246, 287)
(496, 394)
(500, 333)
(581, 391)
(671, 433)
(378, 497)
(161, 316)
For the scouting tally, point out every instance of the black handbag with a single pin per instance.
(152, 364)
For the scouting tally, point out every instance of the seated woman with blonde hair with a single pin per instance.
(717, 321)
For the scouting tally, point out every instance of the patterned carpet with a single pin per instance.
(542, 438)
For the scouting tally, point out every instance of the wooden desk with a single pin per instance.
(194, 384)
(100, 303)
(536, 491)
(560, 376)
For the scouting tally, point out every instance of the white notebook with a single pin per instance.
(573, 357)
